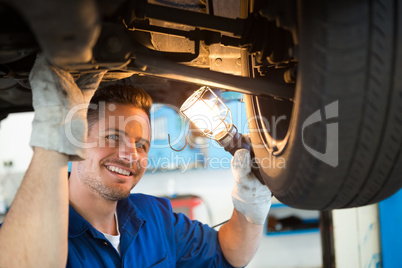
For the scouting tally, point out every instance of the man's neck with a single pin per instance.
(93, 208)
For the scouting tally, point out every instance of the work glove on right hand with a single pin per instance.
(60, 106)
(249, 196)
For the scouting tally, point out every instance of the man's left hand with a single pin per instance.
(249, 196)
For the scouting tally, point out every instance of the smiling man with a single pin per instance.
(120, 140)
(90, 219)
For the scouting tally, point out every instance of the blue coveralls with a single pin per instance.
(151, 236)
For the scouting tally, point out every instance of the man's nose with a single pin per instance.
(128, 152)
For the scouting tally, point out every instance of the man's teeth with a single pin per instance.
(118, 170)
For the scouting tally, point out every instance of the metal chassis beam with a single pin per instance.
(157, 66)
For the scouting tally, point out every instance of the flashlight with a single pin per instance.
(214, 119)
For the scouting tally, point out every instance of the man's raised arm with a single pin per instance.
(35, 230)
(241, 235)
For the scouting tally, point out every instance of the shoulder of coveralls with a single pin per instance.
(145, 198)
(143, 202)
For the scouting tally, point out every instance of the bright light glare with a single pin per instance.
(206, 116)
(208, 113)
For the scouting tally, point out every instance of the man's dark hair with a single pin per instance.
(118, 94)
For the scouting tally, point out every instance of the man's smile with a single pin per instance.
(119, 170)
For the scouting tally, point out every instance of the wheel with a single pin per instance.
(338, 144)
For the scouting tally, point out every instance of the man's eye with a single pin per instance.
(140, 145)
(112, 137)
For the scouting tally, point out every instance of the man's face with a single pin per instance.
(119, 159)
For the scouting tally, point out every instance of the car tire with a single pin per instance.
(338, 143)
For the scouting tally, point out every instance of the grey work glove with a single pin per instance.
(249, 196)
(60, 106)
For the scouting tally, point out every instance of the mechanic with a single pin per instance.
(91, 219)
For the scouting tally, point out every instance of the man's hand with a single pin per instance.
(60, 108)
(250, 197)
